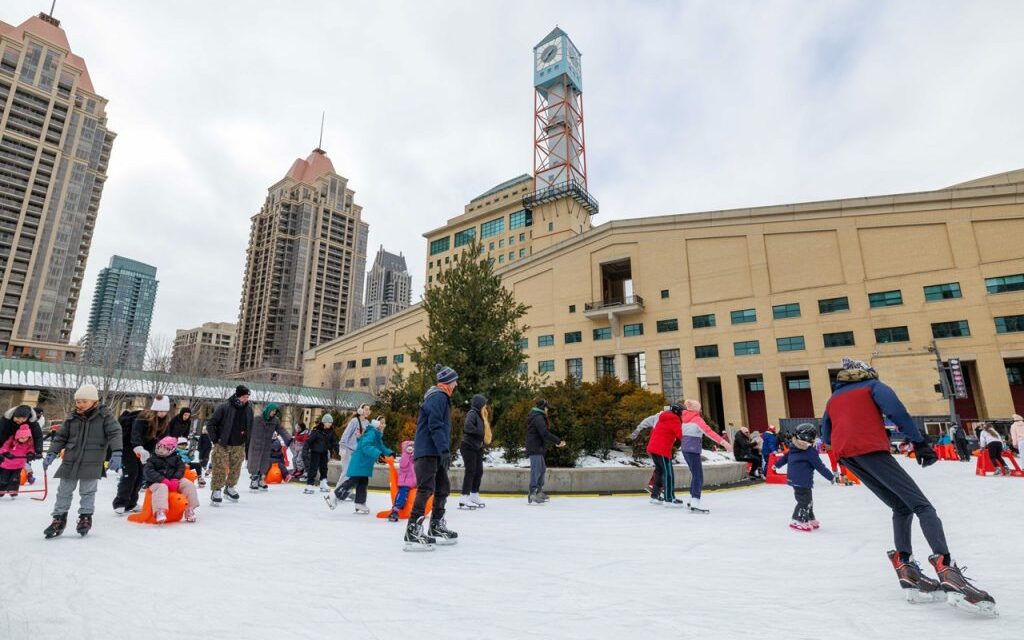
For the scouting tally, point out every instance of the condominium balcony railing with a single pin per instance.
(617, 306)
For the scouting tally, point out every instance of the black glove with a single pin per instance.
(446, 460)
(924, 453)
(6, 456)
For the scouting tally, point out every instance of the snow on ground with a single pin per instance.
(281, 565)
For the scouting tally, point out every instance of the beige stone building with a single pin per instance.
(207, 350)
(54, 151)
(749, 310)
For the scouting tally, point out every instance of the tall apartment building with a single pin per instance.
(304, 271)
(205, 350)
(122, 309)
(54, 150)
(388, 286)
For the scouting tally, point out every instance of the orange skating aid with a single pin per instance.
(176, 505)
(772, 476)
(407, 509)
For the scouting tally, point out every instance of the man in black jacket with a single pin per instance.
(743, 451)
(472, 451)
(229, 431)
(537, 438)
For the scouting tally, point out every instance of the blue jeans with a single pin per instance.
(538, 468)
(696, 473)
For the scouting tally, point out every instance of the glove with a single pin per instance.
(924, 453)
(48, 460)
(115, 461)
(446, 460)
(6, 456)
(142, 454)
(172, 484)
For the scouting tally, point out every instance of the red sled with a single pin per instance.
(985, 466)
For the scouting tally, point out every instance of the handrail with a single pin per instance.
(613, 302)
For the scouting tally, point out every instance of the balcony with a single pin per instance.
(624, 306)
(575, 190)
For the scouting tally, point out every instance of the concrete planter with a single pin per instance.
(586, 480)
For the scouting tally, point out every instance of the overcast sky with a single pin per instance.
(690, 106)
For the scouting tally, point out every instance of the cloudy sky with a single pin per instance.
(690, 106)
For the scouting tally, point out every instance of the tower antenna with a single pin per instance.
(323, 116)
(53, 6)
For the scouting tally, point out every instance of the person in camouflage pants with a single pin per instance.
(226, 466)
(228, 429)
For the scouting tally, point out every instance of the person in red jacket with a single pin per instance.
(667, 430)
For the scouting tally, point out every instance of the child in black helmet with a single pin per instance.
(802, 459)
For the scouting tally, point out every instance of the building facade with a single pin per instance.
(54, 151)
(304, 272)
(388, 286)
(206, 351)
(121, 313)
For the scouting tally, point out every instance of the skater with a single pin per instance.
(406, 480)
(186, 459)
(319, 446)
(229, 428)
(854, 427)
(960, 443)
(743, 451)
(431, 458)
(694, 430)
(147, 427)
(296, 448)
(350, 436)
(91, 429)
(205, 447)
(802, 460)
(645, 424)
(537, 438)
(1017, 435)
(990, 440)
(476, 431)
(181, 424)
(165, 473)
(277, 450)
(14, 453)
(360, 467)
(12, 421)
(263, 437)
(668, 429)
(769, 445)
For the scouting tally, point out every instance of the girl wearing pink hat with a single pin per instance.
(165, 472)
(13, 455)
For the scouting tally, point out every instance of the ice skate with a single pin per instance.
(254, 484)
(56, 527)
(532, 499)
(120, 510)
(674, 503)
(264, 486)
(694, 506)
(543, 496)
(415, 539)
(796, 525)
(442, 534)
(231, 494)
(341, 494)
(190, 515)
(309, 489)
(362, 509)
(331, 499)
(917, 587)
(202, 482)
(959, 590)
(216, 499)
(393, 516)
(160, 517)
(466, 503)
(84, 524)
(815, 524)
(475, 499)
(323, 486)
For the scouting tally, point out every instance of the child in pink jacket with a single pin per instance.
(13, 455)
(406, 480)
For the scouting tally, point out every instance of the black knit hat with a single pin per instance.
(23, 411)
(241, 390)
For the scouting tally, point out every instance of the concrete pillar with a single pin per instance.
(993, 389)
(821, 388)
(732, 401)
(26, 396)
(621, 367)
(774, 396)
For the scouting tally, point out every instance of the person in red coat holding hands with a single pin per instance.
(667, 431)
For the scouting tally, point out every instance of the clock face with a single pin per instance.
(574, 60)
(549, 55)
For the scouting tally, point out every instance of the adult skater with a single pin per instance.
(1017, 435)
(432, 456)
(960, 442)
(265, 430)
(229, 428)
(475, 434)
(854, 426)
(668, 428)
(147, 428)
(769, 445)
(538, 435)
(694, 430)
(350, 437)
(743, 451)
(17, 416)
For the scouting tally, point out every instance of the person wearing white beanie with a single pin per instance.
(147, 427)
(88, 392)
(161, 403)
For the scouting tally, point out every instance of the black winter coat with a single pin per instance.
(179, 428)
(537, 434)
(222, 421)
(8, 429)
(742, 446)
(473, 425)
(160, 468)
(140, 435)
(322, 440)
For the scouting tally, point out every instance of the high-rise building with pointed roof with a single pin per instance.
(388, 286)
(304, 271)
(54, 150)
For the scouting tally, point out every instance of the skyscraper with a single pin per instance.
(388, 286)
(122, 309)
(304, 271)
(205, 351)
(54, 150)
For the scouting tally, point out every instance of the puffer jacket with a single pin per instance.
(8, 428)
(537, 434)
(322, 440)
(434, 424)
(667, 430)
(406, 466)
(14, 454)
(179, 427)
(802, 464)
(473, 425)
(261, 440)
(694, 430)
(368, 449)
(160, 468)
(853, 422)
(84, 439)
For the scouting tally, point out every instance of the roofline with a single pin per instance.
(311, 354)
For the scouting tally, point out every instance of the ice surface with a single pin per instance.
(281, 565)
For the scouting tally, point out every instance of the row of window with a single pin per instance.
(398, 358)
(488, 229)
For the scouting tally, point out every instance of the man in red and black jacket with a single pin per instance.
(854, 426)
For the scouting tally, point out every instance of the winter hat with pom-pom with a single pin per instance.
(445, 375)
(23, 433)
(168, 443)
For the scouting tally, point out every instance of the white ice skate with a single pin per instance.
(331, 500)
(694, 507)
(323, 486)
(465, 502)
(475, 499)
(362, 509)
(309, 489)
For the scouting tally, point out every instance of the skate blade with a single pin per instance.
(983, 608)
(417, 548)
(699, 512)
(330, 506)
(444, 542)
(466, 507)
(916, 596)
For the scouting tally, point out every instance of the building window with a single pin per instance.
(1015, 374)
(671, 375)
(604, 333)
(798, 383)
(351, 364)
(520, 219)
(430, 278)
(501, 259)
(511, 256)
(664, 326)
(885, 299)
(1005, 284)
(946, 291)
(574, 366)
(743, 316)
(664, 294)
(1009, 324)
(523, 344)
(382, 360)
(545, 366)
(795, 343)
(746, 348)
(501, 243)
(490, 247)
(892, 334)
(955, 329)
(572, 308)
(522, 253)
(364, 382)
(605, 366)
(630, 330)
(781, 311)
(704, 321)
(551, 226)
(573, 336)
(465, 237)
(349, 384)
(546, 341)
(754, 384)
(431, 265)
(492, 228)
(381, 381)
(522, 236)
(447, 259)
(366, 362)
(439, 246)
(840, 339)
(399, 358)
(706, 351)
(832, 305)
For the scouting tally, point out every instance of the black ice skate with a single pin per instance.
(231, 494)
(534, 498)
(56, 527)
(442, 534)
(415, 539)
(393, 516)
(917, 587)
(254, 484)
(84, 524)
(961, 593)
(215, 499)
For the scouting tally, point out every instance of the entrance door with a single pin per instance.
(1015, 376)
(799, 403)
(757, 408)
(711, 399)
(967, 408)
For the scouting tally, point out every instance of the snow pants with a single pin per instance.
(130, 484)
(804, 510)
(538, 469)
(664, 478)
(474, 460)
(317, 464)
(401, 497)
(696, 473)
(9, 480)
(227, 465)
(86, 496)
(886, 479)
(431, 480)
(161, 492)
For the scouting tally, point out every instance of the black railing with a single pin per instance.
(574, 189)
(597, 305)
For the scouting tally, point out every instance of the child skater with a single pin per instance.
(165, 472)
(186, 457)
(360, 467)
(406, 480)
(802, 460)
(13, 455)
